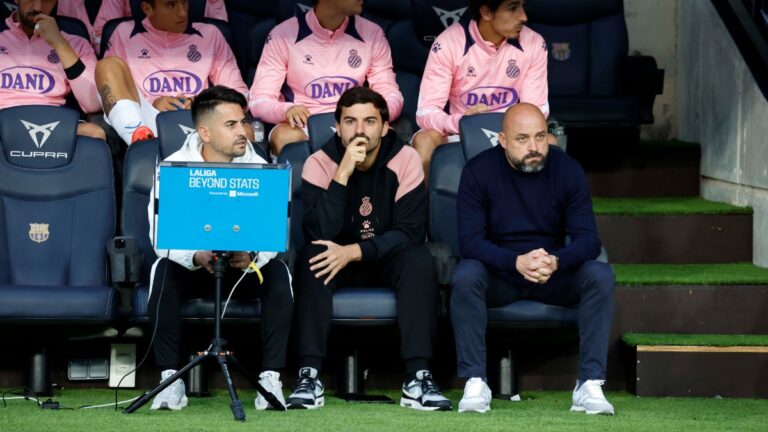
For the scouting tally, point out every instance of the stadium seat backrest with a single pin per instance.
(431, 17)
(407, 53)
(172, 129)
(321, 128)
(479, 132)
(289, 8)
(409, 84)
(73, 26)
(444, 175)
(296, 154)
(57, 203)
(385, 12)
(139, 172)
(106, 33)
(586, 40)
(261, 9)
(6, 8)
(257, 38)
(196, 9)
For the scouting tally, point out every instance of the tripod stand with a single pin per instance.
(217, 350)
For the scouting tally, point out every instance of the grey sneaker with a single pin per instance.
(308, 393)
(589, 398)
(270, 380)
(173, 397)
(477, 396)
(423, 394)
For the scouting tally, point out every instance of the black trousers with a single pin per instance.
(181, 284)
(410, 272)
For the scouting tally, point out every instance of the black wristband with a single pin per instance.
(75, 70)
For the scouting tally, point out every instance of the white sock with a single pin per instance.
(164, 375)
(125, 117)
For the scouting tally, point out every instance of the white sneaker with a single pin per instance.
(423, 394)
(173, 397)
(589, 398)
(308, 393)
(270, 380)
(477, 396)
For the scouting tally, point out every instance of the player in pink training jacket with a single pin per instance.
(310, 60)
(160, 64)
(40, 65)
(486, 65)
(111, 9)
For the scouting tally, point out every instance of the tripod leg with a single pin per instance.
(272, 399)
(236, 405)
(146, 397)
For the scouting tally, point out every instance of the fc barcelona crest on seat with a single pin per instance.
(38, 232)
(561, 50)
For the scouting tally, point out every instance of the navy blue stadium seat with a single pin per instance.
(592, 80)
(139, 170)
(74, 27)
(320, 128)
(409, 84)
(386, 12)
(258, 37)
(172, 129)
(431, 17)
(290, 8)
(6, 8)
(408, 53)
(57, 213)
(245, 16)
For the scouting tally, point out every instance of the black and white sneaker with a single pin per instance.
(423, 394)
(308, 393)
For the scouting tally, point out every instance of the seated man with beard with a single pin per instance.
(516, 204)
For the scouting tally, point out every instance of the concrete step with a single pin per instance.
(673, 230)
(693, 365)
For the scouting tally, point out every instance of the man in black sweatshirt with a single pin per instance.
(516, 204)
(364, 221)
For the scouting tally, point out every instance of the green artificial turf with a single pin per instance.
(635, 339)
(669, 206)
(690, 274)
(539, 411)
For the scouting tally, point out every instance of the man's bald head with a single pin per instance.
(524, 137)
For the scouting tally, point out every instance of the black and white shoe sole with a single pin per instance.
(305, 403)
(414, 404)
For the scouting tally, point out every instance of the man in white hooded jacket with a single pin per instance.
(219, 117)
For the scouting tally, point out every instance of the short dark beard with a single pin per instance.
(27, 22)
(520, 165)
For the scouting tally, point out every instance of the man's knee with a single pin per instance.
(425, 142)
(468, 276)
(108, 66)
(416, 259)
(599, 276)
(91, 130)
(284, 135)
(280, 280)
